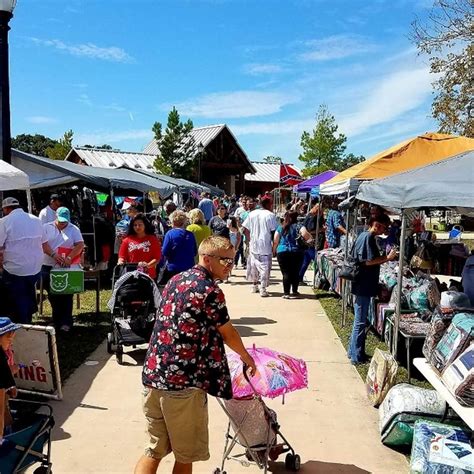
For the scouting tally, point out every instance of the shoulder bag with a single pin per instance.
(351, 267)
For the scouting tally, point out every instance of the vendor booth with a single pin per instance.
(447, 184)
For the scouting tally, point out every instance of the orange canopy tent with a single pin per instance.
(409, 154)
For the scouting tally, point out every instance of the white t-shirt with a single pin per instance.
(261, 223)
(238, 212)
(47, 215)
(21, 236)
(68, 237)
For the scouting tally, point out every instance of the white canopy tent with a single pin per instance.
(446, 183)
(12, 178)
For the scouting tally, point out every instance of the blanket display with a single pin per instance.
(458, 336)
(402, 407)
(440, 449)
(439, 324)
(420, 293)
(459, 377)
(381, 376)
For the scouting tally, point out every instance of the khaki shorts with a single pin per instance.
(177, 421)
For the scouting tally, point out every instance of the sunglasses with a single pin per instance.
(225, 261)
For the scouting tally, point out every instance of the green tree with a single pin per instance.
(323, 148)
(447, 37)
(34, 144)
(99, 147)
(178, 150)
(347, 161)
(60, 150)
(273, 159)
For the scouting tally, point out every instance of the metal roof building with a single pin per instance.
(100, 158)
(203, 135)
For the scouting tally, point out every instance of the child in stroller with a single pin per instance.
(133, 306)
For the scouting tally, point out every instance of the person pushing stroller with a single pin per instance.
(186, 360)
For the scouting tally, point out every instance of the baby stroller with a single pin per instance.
(32, 425)
(254, 427)
(133, 308)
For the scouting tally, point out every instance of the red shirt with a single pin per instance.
(136, 250)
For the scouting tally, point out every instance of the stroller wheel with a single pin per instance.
(110, 342)
(43, 470)
(292, 462)
(119, 354)
(218, 471)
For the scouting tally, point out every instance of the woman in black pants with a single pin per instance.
(289, 255)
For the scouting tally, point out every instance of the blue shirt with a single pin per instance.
(288, 241)
(207, 208)
(333, 235)
(179, 248)
(367, 281)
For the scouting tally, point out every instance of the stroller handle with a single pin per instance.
(245, 367)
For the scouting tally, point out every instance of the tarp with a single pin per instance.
(309, 184)
(46, 172)
(446, 183)
(178, 184)
(407, 155)
(12, 178)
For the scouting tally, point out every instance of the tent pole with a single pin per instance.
(344, 283)
(318, 220)
(114, 206)
(398, 304)
(28, 199)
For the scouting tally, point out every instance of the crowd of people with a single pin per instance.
(188, 252)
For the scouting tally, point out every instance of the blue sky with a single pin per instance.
(108, 69)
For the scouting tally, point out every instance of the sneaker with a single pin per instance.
(264, 293)
(255, 289)
(295, 295)
(65, 328)
(286, 297)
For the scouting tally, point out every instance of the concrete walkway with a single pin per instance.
(100, 426)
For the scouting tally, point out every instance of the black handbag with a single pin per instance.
(351, 267)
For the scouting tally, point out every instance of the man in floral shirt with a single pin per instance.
(186, 360)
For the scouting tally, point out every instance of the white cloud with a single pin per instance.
(40, 119)
(235, 104)
(114, 107)
(88, 50)
(394, 95)
(336, 47)
(259, 69)
(85, 99)
(113, 137)
(284, 127)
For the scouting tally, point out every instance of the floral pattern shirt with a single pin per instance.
(186, 348)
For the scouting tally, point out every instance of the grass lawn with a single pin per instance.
(89, 330)
(332, 305)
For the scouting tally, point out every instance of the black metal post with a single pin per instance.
(5, 131)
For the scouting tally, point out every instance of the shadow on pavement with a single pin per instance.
(247, 331)
(253, 320)
(320, 467)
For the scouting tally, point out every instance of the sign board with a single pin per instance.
(37, 358)
(66, 282)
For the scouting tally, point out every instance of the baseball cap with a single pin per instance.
(10, 201)
(54, 197)
(63, 214)
(6, 325)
